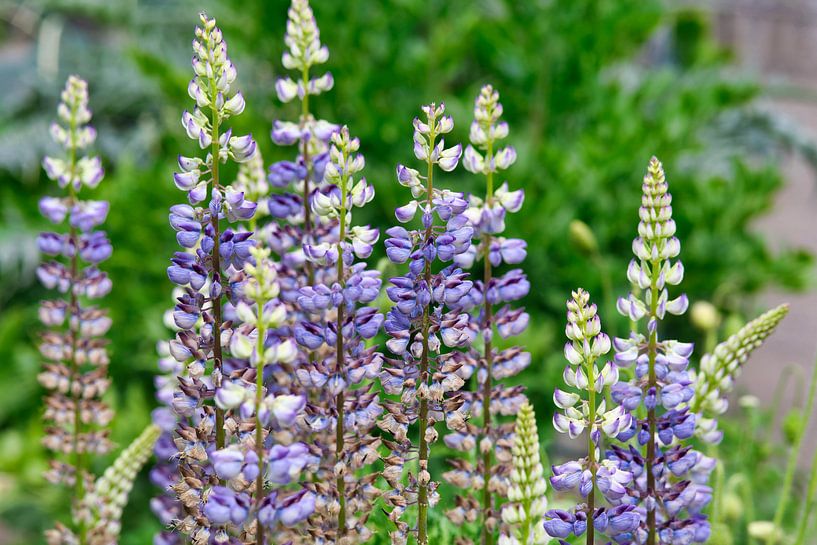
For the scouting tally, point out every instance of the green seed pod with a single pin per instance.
(582, 237)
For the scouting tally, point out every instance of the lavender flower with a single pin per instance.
(489, 304)
(586, 373)
(350, 413)
(669, 504)
(206, 270)
(718, 371)
(524, 516)
(419, 324)
(262, 417)
(76, 372)
(305, 174)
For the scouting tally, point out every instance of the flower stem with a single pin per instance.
(310, 271)
(590, 369)
(487, 503)
(422, 493)
(794, 455)
(259, 429)
(340, 361)
(810, 504)
(217, 352)
(79, 459)
(651, 419)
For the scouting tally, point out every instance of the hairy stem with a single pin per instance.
(77, 448)
(487, 503)
(340, 362)
(310, 270)
(651, 419)
(590, 370)
(422, 493)
(217, 352)
(259, 429)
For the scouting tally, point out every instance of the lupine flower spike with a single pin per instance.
(347, 368)
(583, 409)
(524, 515)
(312, 136)
(424, 317)
(719, 370)
(262, 451)
(491, 311)
(670, 478)
(109, 495)
(212, 257)
(76, 372)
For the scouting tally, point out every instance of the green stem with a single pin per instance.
(79, 459)
(810, 505)
(259, 429)
(487, 503)
(310, 270)
(339, 359)
(422, 492)
(651, 418)
(794, 455)
(216, 256)
(590, 369)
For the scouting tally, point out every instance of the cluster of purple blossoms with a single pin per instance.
(585, 410)
(209, 272)
(426, 315)
(296, 223)
(75, 374)
(263, 449)
(669, 478)
(488, 304)
(343, 367)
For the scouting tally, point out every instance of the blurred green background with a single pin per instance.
(591, 90)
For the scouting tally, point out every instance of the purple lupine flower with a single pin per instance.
(661, 382)
(583, 410)
(209, 274)
(471, 235)
(425, 316)
(339, 360)
(75, 374)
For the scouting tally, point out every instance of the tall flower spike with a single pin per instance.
(524, 516)
(76, 373)
(719, 370)
(424, 317)
(263, 417)
(343, 364)
(212, 257)
(488, 479)
(109, 495)
(584, 410)
(670, 486)
(311, 135)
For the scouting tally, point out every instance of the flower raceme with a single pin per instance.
(75, 374)
(343, 366)
(488, 304)
(585, 410)
(425, 317)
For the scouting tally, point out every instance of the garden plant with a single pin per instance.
(311, 392)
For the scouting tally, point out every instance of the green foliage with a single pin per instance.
(592, 90)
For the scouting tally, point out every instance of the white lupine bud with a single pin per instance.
(526, 477)
(718, 370)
